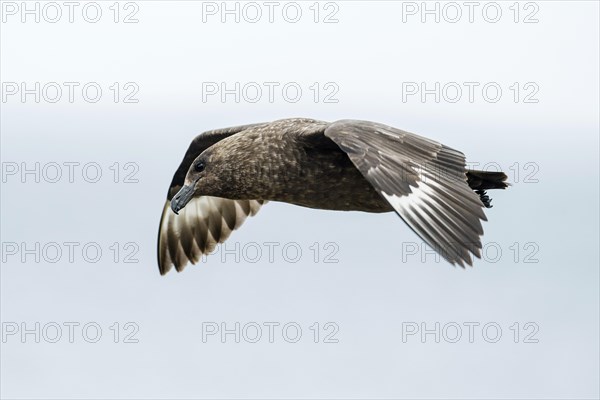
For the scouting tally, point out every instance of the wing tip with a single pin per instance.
(162, 270)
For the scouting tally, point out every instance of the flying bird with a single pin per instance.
(349, 165)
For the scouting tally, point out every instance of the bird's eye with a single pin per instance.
(199, 166)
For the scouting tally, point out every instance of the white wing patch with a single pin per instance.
(202, 224)
(428, 211)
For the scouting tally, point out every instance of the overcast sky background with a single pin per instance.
(541, 265)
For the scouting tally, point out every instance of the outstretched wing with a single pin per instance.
(205, 221)
(423, 180)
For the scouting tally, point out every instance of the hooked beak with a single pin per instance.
(182, 197)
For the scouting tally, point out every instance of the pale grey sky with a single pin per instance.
(521, 95)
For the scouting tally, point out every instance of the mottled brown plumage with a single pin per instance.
(226, 175)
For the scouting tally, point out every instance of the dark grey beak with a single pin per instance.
(182, 197)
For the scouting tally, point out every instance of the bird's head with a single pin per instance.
(202, 179)
(222, 170)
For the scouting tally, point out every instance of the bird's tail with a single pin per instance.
(480, 181)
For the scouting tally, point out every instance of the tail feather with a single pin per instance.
(480, 181)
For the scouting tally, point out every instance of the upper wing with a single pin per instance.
(423, 180)
(205, 221)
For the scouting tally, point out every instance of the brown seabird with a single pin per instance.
(348, 165)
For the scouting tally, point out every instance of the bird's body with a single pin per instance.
(291, 161)
(346, 166)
